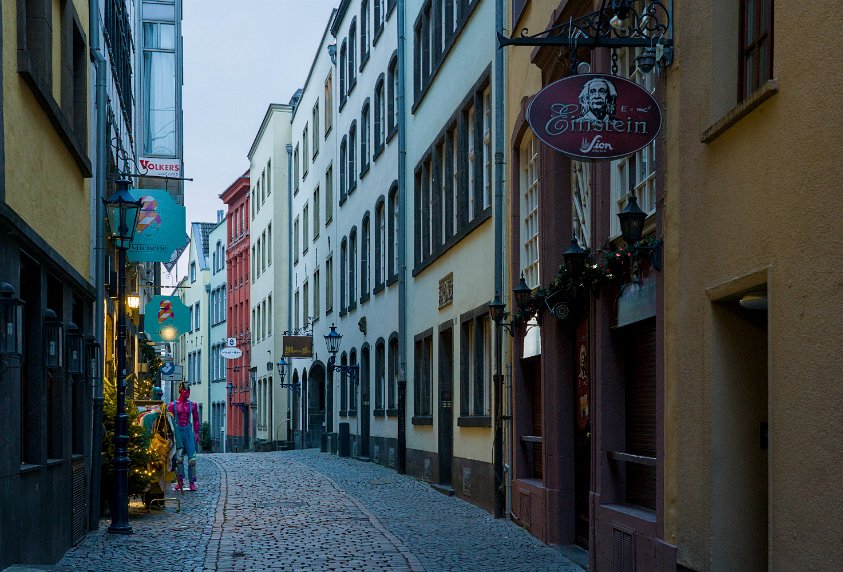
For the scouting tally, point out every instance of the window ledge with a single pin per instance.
(363, 59)
(378, 289)
(329, 311)
(379, 412)
(343, 413)
(740, 111)
(364, 169)
(422, 420)
(378, 32)
(352, 306)
(54, 462)
(642, 513)
(392, 412)
(392, 280)
(474, 421)
(392, 131)
(364, 298)
(378, 151)
(342, 312)
(29, 468)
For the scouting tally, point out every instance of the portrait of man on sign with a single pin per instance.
(597, 100)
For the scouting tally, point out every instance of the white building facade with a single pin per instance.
(269, 274)
(450, 246)
(217, 305)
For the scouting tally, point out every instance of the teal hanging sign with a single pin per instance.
(161, 227)
(166, 318)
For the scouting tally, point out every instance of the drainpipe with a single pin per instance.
(290, 257)
(402, 234)
(500, 481)
(99, 259)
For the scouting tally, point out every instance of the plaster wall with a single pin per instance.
(378, 308)
(269, 152)
(754, 207)
(44, 184)
(472, 259)
(197, 338)
(218, 329)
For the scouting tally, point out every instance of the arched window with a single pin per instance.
(380, 370)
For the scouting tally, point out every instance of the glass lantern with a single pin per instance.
(53, 340)
(11, 321)
(75, 350)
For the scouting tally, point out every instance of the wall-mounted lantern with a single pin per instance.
(53, 340)
(11, 322)
(75, 350)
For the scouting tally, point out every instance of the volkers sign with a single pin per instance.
(595, 116)
(160, 167)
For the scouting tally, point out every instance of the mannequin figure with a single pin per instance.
(186, 434)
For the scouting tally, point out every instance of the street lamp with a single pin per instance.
(575, 257)
(54, 340)
(522, 293)
(632, 227)
(11, 322)
(75, 350)
(332, 340)
(122, 210)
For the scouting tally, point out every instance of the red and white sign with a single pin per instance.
(595, 116)
(160, 167)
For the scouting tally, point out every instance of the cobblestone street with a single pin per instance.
(302, 510)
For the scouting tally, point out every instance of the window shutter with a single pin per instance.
(640, 363)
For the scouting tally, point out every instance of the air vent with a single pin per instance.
(80, 505)
(623, 551)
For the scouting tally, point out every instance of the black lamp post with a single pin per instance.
(632, 227)
(332, 340)
(122, 210)
(522, 293)
(11, 322)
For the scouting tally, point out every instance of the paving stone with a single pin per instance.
(305, 510)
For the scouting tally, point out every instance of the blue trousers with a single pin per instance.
(185, 446)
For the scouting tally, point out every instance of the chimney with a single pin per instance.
(220, 215)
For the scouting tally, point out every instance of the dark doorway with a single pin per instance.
(446, 406)
(315, 405)
(365, 408)
(246, 432)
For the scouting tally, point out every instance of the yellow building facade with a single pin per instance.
(752, 288)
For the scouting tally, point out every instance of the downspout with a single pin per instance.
(500, 480)
(290, 258)
(402, 235)
(99, 260)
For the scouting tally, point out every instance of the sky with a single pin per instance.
(239, 56)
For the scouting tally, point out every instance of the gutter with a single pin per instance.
(500, 479)
(208, 337)
(99, 259)
(290, 258)
(402, 218)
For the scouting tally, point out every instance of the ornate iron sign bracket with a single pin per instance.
(617, 24)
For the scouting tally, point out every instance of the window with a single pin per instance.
(530, 210)
(269, 315)
(380, 243)
(74, 74)
(305, 302)
(343, 73)
(296, 315)
(314, 120)
(159, 89)
(343, 386)
(193, 271)
(190, 317)
(352, 394)
(365, 138)
(316, 295)
(475, 365)
(637, 172)
(343, 263)
(352, 55)
(487, 148)
(328, 98)
(393, 232)
(305, 221)
(581, 202)
(423, 367)
(296, 170)
(329, 194)
(305, 153)
(380, 119)
(118, 35)
(756, 43)
(380, 15)
(198, 322)
(269, 244)
(329, 285)
(364, 259)
(343, 169)
(269, 177)
(296, 240)
(315, 213)
(472, 160)
(392, 385)
(364, 32)
(352, 157)
(392, 111)
(263, 251)
(352, 268)
(380, 369)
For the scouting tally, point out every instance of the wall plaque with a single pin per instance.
(446, 290)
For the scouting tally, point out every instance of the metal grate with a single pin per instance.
(80, 504)
(623, 551)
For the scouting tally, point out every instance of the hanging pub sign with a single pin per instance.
(161, 227)
(166, 318)
(595, 116)
(297, 346)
